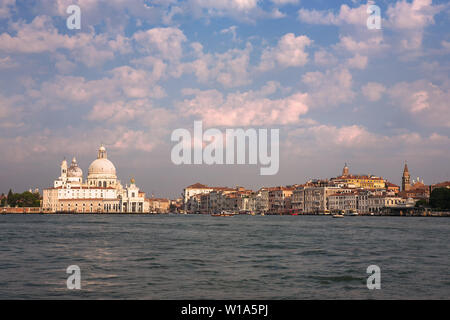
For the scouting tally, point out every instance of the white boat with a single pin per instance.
(224, 213)
(352, 213)
(340, 214)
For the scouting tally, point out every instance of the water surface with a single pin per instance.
(242, 257)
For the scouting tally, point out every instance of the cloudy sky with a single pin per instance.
(137, 70)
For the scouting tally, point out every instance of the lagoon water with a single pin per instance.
(241, 257)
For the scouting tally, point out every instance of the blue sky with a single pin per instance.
(137, 70)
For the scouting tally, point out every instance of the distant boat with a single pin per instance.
(224, 214)
(352, 212)
(340, 214)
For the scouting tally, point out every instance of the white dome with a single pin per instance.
(74, 171)
(102, 167)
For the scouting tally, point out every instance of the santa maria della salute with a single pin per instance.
(101, 192)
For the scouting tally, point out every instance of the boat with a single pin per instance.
(352, 212)
(339, 214)
(223, 214)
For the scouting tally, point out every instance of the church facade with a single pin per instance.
(102, 192)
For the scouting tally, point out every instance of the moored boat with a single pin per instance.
(224, 214)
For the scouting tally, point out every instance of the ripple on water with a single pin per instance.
(163, 257)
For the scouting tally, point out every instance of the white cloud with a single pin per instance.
(424, 101)
(5, 8)
(221, 6)
(367, 46)
(411, 15)
(322, 136)
(323, 57)
(122, 83)
(135, 139)
(358, 62)
(289, 52)
(329, 88)
(7, 63)
(346, 15)
(243, 109)
(373, 91)
(409, 19)
(230, 68)
(284, 2)
(358, 143)
(41, 36)
(231, 30)
(166, 43)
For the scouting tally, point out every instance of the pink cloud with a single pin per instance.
(243, 109)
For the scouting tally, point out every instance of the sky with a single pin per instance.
(137, 70)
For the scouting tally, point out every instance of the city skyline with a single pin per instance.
(346, 171)
(338, 91)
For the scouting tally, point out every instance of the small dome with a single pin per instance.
(74, 171)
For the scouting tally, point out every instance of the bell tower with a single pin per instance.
(64, 169)
(406, 184)
(345, 170)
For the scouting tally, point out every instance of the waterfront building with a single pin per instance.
(158, 205)
(280, 200)
(101, 193)
(445, 184)
(348, 180)
(298, 199)
(262, 200)
(392, 187)
(192, 204)
(316, 199)
(344, 201)
(194, 190)
(199, 198)
(259, 201)
(218, 200)
(375, 203)
(393, 202)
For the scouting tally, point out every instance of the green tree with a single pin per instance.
(10, 197)
(440, 198)
(421, 203)
(25, 199)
